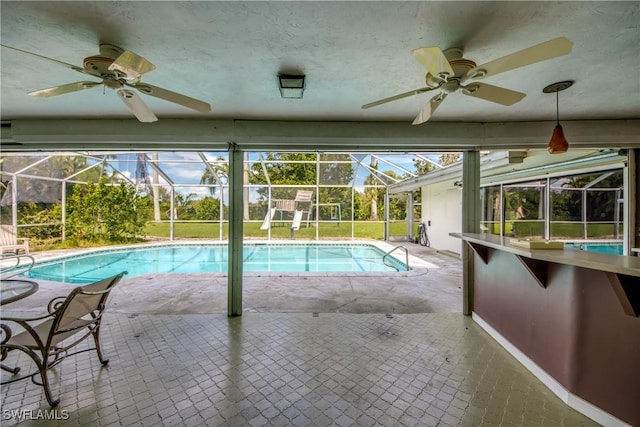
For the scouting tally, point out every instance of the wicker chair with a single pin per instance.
(48, 339)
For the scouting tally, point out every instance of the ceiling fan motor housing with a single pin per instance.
(98, 65)
(460, 67)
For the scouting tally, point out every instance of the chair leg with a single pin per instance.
(96, 339)
(45, 384)
(42, 367)
(6, 334)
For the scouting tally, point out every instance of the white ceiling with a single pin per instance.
(229, 54)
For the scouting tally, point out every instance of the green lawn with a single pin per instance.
(327, 230)
(211, 230)
(562, 231)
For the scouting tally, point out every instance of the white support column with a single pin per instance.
(470, 222)
(236, 210)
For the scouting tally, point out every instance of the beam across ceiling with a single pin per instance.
(207, 135)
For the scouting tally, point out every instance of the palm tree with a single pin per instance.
(155, 188)
(215, 174)
(374, 201)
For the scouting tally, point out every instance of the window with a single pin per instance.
(491, 202)
(524, 209)
(587, 206)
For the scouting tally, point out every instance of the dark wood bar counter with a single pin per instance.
(570, 316)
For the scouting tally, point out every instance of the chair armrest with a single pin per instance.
(54, 304)
(6, 336)
(105, 291)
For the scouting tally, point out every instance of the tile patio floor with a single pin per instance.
(298, 360)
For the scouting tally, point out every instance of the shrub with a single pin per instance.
(106, 212)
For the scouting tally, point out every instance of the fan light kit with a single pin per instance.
(291, 86)
(448, 71)
(558, 143)
(118, 69)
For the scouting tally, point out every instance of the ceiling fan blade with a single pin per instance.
(137, 106)
(538, 53)
(132, 65)
(174, 97)
(55, 61)
(396, 97)
(62, 89)
(492, 93)
(434, 61)
(428, 110)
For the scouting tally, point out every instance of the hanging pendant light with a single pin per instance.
(558, 143)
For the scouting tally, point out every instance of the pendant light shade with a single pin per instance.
(558, 143)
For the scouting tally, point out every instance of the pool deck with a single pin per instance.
(432, 286)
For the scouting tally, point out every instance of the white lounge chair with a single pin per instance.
(11, 243)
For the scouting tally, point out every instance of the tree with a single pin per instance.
(102, 211)
(184, 207)
(447, 159)
(422, 166)
(335, 179)
(155, 189)
(207, 208)
(373, 192)
(285, 168)
(215, 174)
(39, 200)
(302, 169)
(373, 195)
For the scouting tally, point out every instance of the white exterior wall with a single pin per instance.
(442, 205)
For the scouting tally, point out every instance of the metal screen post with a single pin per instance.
(470, 222)
(386, 215)
(64, 210)
(236, 213)
(14, 203)
(410, 235)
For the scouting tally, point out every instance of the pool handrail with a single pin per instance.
(406, 254)
(7, 272)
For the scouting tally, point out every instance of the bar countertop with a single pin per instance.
(627, 265)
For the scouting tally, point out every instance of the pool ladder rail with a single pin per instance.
(11, 265)
(406, 255)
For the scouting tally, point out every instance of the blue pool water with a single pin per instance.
(202, 258)
(604, 248)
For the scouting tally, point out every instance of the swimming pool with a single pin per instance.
(212, 258)
(604, 248)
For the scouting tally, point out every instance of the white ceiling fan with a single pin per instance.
(448, 72)
(120, 70)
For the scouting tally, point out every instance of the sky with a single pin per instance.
(186, 168)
